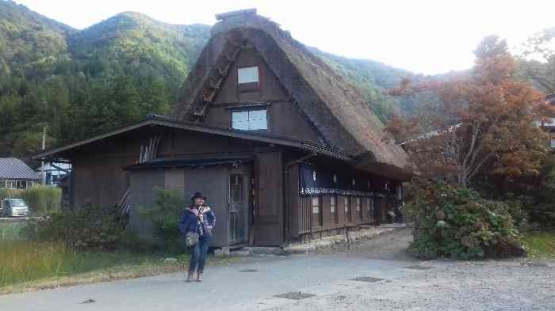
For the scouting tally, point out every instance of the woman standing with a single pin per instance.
(196, 226)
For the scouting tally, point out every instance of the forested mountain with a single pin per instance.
(81, 82)
(78, 82)
(372, 78)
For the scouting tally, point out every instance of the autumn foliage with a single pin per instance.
(486, 123)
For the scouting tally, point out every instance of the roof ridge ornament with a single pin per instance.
(223, 16)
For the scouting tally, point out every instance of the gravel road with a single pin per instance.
(517, 284)
(371, 275)
(446, 286)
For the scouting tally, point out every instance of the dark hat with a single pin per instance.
(198, 195)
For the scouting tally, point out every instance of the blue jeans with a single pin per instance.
(198, 254)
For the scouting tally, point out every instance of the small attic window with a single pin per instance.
(248, 79)
(247, 75)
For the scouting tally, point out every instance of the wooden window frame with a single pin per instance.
(379, 209)
(249, 109)
(358, 207)
(21, 184)
(319, 211)
(370, 207)
(347, 209)
(236, 182)
(248, 86)
(334, 213)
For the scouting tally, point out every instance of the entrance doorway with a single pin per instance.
(238, 205)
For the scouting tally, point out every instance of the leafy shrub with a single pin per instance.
(165, 215)
(11, 231)
(41, 199)
(10, 193)
(542, 208)
(83, 228)
(457, 223)
(131, 242)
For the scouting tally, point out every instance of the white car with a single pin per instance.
(14, 207)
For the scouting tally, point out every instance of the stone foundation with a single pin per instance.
(312, 244)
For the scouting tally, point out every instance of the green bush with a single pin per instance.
(10, 193)
(457, 223)
(12, 231)
(92, 228)
(41, 199)
(165, 215)
(541, 208)
(131, 242)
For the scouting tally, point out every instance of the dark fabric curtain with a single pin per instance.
(319, 181)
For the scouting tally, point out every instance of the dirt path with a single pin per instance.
(387, 246)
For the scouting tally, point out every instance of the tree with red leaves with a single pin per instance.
(486, 123)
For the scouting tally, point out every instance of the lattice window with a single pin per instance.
(249, 120)
(235, 188)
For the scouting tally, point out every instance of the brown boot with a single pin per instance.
(190, 276)
(199, 277)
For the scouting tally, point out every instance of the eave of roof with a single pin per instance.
(168, 122)
(184, 162)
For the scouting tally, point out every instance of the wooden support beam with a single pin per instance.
(209, 98)
(217, 84)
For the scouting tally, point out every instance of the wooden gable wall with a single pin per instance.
(284, 117)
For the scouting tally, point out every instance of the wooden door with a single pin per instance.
(268, 208)
(238, 206)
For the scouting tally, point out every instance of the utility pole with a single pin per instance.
(43, 147)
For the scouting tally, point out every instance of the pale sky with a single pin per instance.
(423, 36)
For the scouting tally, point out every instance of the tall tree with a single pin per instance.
(538, 59)
(487, 123)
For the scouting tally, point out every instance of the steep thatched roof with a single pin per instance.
(336, 109)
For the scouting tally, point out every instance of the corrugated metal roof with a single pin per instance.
(14, 168)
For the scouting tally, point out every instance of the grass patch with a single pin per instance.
(540, 244)
(24, 261)
(11, 230)
(30, 265)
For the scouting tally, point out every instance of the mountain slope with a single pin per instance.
(28, 38)
(80, 82)
(114, 72)
(130, 36)
(372, 78)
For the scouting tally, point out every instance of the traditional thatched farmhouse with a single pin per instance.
(283, 147)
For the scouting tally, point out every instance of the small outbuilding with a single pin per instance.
(15, 174)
